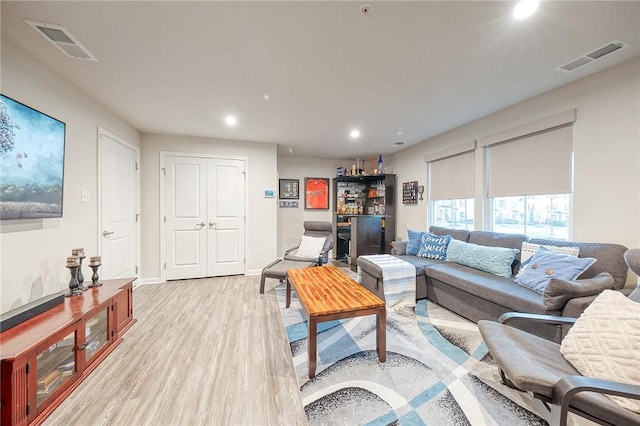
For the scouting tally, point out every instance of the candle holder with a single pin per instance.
(73, 263)
(80, 253)
(94, 264)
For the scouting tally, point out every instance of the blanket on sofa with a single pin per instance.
(399, 279)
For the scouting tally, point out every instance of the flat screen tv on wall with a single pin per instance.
(31, 162)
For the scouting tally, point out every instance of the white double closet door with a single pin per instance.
(204, 218)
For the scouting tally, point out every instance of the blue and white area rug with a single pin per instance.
(438, 372)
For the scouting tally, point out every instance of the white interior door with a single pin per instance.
(118, 207)
(226, 217)
(204, 217)
(185, 216)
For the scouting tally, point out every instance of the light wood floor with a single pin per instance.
(203, 352)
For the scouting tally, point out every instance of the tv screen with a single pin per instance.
(31, 162)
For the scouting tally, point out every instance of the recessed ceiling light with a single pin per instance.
(355, 134)
(400, 133)
(230, 120)
(525, 8)
(266, 97)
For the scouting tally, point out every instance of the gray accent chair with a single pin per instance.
(278, 268)
(535, 365)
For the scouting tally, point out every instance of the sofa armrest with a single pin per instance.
(398, 247)
(576, 306)
(548, 319)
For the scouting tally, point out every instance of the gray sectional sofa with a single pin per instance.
(478, 295)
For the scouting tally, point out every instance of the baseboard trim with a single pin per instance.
(254, 272)
(149, 281)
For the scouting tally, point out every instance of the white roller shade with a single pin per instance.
(538, 164)
(452, 177)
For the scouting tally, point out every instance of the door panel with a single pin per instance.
(205, 209)
(118, 204)
(226, 217)
(185, 195)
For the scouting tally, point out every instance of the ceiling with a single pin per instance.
(406, 72)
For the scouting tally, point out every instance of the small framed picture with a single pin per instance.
(316, 194)
(289, 189)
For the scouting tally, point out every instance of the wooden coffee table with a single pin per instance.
(327, 294)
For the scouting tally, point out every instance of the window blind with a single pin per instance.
(535, 164)
(452, 177)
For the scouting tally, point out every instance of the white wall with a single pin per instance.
(261, 232)
(290, 219)
(33, 253)
(606, 198)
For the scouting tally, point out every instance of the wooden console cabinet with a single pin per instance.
(46, 357)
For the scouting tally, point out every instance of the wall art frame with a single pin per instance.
(316, 193)
(289, 189)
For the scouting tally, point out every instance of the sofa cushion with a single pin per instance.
(605, 342)
(610, 258)
(558, 292)
(434, 246)
(546, 265)
(499, 290)
(496, 260)
(458, 234)
(420, 263)
(414, 241)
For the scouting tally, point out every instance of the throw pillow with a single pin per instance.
(605, 342)
(558, 292)
(546, 264)
(434, 246)
(529, 249)
(413, 242)
(495, 260)
(310, 247)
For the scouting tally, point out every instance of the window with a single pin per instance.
(455, 214)
(539, 216)
(451, 187)
(529, 172)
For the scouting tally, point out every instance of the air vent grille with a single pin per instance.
(605, 50)
(62, 39)
(592, 56)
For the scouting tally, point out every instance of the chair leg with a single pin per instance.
(556, 416)
(262, 278)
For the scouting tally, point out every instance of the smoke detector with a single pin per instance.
(365, 9)
(62, 39)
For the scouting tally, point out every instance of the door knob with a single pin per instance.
(106, 234)
(212, 224)
(201, 224)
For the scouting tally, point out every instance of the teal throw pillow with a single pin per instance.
(434, 246)
(414, 241)
(545, 265)
(495, 260)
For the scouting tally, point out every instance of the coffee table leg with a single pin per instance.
(312, 340)
(288, 292)
(381, 334)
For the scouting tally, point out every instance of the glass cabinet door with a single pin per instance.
(55, 365)
(96, 333)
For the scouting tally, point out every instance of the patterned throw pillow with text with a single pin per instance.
(434, 246)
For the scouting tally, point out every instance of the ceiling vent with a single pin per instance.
(61, 38)
(592, 56)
